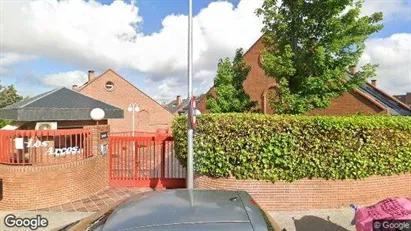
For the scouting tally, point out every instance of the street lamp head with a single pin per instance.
(97, 114)
(133, 107)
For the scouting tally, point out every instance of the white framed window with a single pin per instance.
(109, 86)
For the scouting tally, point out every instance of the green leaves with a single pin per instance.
(280, 147)
(8, 96)
(309, 46)
(230, 94)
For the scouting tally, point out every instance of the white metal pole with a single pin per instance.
(190, 169)
(133, 120)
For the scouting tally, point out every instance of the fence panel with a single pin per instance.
(42, 147)
(146, 161)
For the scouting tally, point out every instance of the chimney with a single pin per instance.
(353, 69)
(374, 82)
(408, 98)
(178, 100)
(75, 87)
(91, 75)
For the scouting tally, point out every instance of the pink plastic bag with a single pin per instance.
(390, 209)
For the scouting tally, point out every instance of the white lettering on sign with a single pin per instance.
(53, 151)
(36, 144)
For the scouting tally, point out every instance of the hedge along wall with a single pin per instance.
(292, 148)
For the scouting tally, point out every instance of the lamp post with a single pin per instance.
(133, 107)
(190, 132)
(97, 114)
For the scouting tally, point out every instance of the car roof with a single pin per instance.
(241, 226)
(167, 210)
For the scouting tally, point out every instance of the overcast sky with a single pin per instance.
(47, 44)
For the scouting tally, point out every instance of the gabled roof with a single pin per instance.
(394, 106)
(173, 108)
(56, 105)
(85, 85)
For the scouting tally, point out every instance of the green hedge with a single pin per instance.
(270, 147)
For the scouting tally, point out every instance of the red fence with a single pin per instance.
(41, 147)
(145, 161)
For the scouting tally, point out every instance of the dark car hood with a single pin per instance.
(179, 207)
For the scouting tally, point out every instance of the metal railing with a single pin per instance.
(43, 147)
(142, 133)
(146, 161)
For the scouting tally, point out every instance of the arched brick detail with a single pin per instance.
(264, 99)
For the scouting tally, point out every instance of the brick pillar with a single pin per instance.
(96, 141)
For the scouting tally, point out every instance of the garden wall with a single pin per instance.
(36, 187)
(308, 194)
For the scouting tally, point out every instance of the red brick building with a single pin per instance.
(368, 99)
(113, 89)
(404, 98)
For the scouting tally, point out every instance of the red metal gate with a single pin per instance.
(144, 162)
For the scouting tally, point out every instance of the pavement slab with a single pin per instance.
(316, 220)
(97, 201)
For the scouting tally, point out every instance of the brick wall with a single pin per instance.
(255, 84)
(347, 104)
(96, 142)
(28, 187)
(316, 193)
(408, 98)
(152, 115)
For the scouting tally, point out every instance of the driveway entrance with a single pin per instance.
(144, 161)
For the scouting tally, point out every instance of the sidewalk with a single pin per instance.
(98, 201)
(316, 220)
(69, 212)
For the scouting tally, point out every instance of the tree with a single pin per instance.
(230, 93)
(8, 96)
(309, 45)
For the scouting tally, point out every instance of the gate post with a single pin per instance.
(163, 158)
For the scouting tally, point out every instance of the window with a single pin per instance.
(109, 86)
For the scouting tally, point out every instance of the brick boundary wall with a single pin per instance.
(35, 187)
(315, 193)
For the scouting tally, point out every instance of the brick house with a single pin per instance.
(113, 89)
(367, 100)
(179, 106)
(404, 98)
